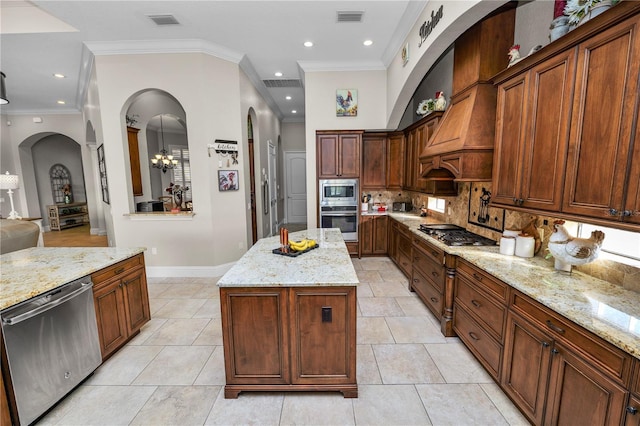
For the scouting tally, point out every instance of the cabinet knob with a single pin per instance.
(119, 271)
(613, 212)
(434, 300)
(476, 303)
(632, 410)
(477, 277)
(473, 335)
(555, 351)
(435, 274)
(545, 345)
(627, 213)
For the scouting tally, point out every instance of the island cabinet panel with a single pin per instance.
(603, 121)
(532, 135)
(338, 154)
(254, 324)
(121, 301)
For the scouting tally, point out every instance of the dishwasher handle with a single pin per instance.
(45, 307)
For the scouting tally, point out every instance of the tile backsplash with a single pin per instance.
(457, 212)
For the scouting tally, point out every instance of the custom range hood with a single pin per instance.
(461, 148)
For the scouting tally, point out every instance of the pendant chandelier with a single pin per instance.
(161, 160)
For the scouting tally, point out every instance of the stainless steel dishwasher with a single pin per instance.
(52, 345)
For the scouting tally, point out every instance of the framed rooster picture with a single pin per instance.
(346, 102)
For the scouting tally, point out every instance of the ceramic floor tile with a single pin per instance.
(211, 335)
(306, 408)
(414, 330)
(177, 405)
(156, 304)
(512, 415)
(412, 306)
(107, 405)
(377, 264)
(213, 371)
(124, 366)
(183, 290)
(178, 331)
(394, 275)
(146, 331)
(180, 308)
(390, 289)
(457, 364)
(380, 307)
(387, 405)
(406, 364)
(210, 309)
(373, 330)
(366, 366)
(210, 291)
(250, 408)
(155, 290)
(175, 365)
(364, 290)
(368, 276)
(459, 404)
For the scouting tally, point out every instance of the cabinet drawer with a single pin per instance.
(429, 268)
(429, 250)
(604, 355)
(404, 263)
(487, 350)
(483, 280)
(118, 269)
(489, 312)
(429, 294)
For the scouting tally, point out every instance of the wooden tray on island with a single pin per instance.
(293, 253)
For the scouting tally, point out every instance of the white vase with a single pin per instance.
(595, 10)
(559, 27)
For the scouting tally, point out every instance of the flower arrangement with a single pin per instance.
(425, 107)
(131, 119)
(576, 10)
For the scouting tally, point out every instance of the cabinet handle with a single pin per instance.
(555, 351)
(627, 213)
(415, 259)
(126, 282)
(555, 327)
(515, 200)
(613, 212)
(415, 280)
(120, 285)
(473, 335)
(477, 277)
(632, 410)
(435, 274)
(434, 254)
(545, 345)
(476, 303)
(119, 271)
(434, 300)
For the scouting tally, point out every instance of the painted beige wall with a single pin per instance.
(293, 137)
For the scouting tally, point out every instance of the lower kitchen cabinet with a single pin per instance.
(633, 407)
(121, 301)
(373, 235)
(428, 275)
(289, 339)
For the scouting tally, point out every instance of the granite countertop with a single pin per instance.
(30, 272)
(327, 265)
(607, 310)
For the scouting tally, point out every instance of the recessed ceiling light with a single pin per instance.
(288, 97)
(367, 42)
(308, 44)
(278, 74)
(293, 111)
(61, 102)
(58, 75)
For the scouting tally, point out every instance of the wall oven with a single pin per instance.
(339, 206)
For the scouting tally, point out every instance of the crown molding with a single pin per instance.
(316, 66)
(252, 75)
(141, 47)
(407, 22)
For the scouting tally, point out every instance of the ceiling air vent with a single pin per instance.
(164, 19)
(350, 16)
(282, 83)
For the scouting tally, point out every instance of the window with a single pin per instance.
(60, 183)
(182, 172)
(619, 246)
(436, 204)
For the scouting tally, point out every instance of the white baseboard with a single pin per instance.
(188, 271)
(98, 231)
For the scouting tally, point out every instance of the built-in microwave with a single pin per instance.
(338, 192)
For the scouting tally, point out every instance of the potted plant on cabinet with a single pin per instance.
(580, 11)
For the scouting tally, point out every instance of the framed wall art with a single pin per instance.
(103, 174)
(228, 180)
(346, 102)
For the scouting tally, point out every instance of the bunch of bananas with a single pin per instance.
(302, 245)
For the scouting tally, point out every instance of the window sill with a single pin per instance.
(160, 216)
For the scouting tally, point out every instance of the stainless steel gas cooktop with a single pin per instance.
(453, 235)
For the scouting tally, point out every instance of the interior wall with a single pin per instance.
(293, 137)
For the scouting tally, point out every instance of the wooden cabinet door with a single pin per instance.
(256, 336)
(631, 212)
(411, 160)
(366, 234)
(604, 110)
(580, 394)
(134, 159)
(525, 367)
(393, 240)
(395, 161)
(323, 329)
(349, 156)
(327, 155)
(136, 300)
(374, 156)
(632, 412)
(379, 237)
(111, 317)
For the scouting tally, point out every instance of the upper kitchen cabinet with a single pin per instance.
(396, 148)
(338, 154)
(532, 134)
(374, 158)
(602, 163)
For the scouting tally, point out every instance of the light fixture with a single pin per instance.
(58, 75)
(61, 102)
(3, 91)
(278, 74)
(10, 182)
(288, 97)
(161, 160)
(293, 111)
(367, 42)
(308, 44)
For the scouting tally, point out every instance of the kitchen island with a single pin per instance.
(289, 323)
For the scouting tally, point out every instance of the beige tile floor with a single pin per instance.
(173, 372)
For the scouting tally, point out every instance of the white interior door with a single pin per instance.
(273, 189)
(295, 164)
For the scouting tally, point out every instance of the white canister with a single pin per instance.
(507, 245)
(525, 245)
(364, 207)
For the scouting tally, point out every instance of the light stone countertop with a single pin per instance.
(328, 265)
(607, 310)
(30, 272)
